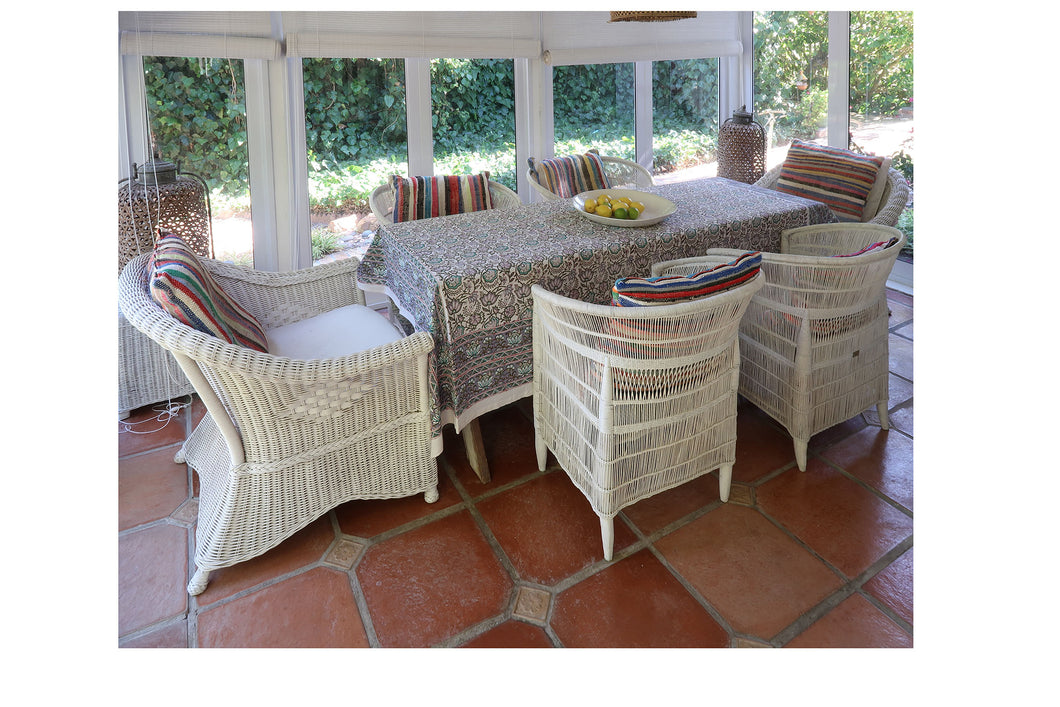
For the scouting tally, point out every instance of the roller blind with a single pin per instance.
(224, 35)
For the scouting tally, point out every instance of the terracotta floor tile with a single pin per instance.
(758, 578)
(429, 584)
(548, 529)
(845, 523)
(370, 517)
(152, 575)
(901, 311)
(882, 459)
(906, 330)
(893, 585)
(828, 437)
(148, 432)
(634, 603)
(658, 511)
(901, 356)
(761, 445)
(508, 438)
(171, 636)
(902, 419)
(315, 609)
(150, 487)
(303, 548)
(899, 391)
(512, 634)
(855, 623)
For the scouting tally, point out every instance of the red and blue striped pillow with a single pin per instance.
(185, 289)
(839, 178)
(571, 175)
(427, 197)
(670, 289)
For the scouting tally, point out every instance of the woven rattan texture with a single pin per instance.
(621, 173)
(179, 208)
(635, 401)
(814, 340)
(285, 440)
(741, 152)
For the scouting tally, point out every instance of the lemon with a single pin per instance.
(638, 206)
(620, 212)
(603, 210)
(603, 199)
(590, 205)
(632, 212)
(625, 200)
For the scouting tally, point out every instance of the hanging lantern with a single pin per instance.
(742, 148)
(161, 197)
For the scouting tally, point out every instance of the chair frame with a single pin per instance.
(892, 202)
(284, 441)
(620, 172)
(381, 200)
(815, 338)
(652, 413)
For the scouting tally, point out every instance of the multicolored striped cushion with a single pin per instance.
(838, 178)
(427, 197)
(185, 289)
(571, 175)
(870, 248)
(670, 289)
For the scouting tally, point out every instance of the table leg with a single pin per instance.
(476, 452)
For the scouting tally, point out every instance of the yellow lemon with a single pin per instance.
(603, 210)
(590, 205)
(603, 199)
(625, 200)
(638, 206)
(620, 212)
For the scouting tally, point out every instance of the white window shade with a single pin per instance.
(221, 35)
(590, 38)
(199, 45)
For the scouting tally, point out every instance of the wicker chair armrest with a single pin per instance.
(696, 263)
(278, 298)
(895, 197)
(829, 239)
(622, 172)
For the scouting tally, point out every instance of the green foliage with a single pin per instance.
(903, 162)
(324, 242)
(905, 225)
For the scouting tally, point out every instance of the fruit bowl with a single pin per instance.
(656, 208)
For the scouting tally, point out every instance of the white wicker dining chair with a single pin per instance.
(633, 401)
(892, 203)
(287, 439)
(381, 200)
(814, 340)
(623, 174)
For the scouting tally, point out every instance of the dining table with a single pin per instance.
(466, 278)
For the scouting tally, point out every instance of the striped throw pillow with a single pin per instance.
(670, 289)
(427, 197)
(185, 289)
(841, 179)
(571, 175)
(881, 245)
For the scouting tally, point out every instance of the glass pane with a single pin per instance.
(197, 117)
(791, 78)
(593, 106)
(684, 119)
(356, 137)
(473, 117)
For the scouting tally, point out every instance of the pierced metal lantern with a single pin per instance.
(742, 148)
(160, 197)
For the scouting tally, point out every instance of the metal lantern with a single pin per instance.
(742, 148)
(160, 197)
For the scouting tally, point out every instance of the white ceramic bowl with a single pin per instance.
(656, 208)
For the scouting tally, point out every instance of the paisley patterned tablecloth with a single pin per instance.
(466, 278)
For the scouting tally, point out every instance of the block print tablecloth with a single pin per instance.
(466, 278)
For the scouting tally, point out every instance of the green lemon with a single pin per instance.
(620, 213)
(632, 212)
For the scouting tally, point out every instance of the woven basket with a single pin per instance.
(651, 16)
(181, 207)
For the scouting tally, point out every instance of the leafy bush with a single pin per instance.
(324, 242)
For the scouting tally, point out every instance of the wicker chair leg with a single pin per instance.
(197, 585)
(542, 452)
(885, 420)
(431, 495)
(179, 457)
(725, 481)
(800, 453)
(607, 533)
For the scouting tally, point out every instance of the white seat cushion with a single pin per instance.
(340, 332)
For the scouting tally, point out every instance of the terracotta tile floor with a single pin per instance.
(822, 558)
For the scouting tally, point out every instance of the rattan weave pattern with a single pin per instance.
(621, 173)
(814, 340)
(286, 440)
(635, 401)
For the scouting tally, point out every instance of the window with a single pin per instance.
(684, 114)
(356, 137)
(593, 106)
(881, 84)
(790, 78)
(473, 117)
(197, 118)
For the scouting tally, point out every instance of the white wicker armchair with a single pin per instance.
(892, 203)
(286, 440)
(814, 339)
(381, 200)
(621, 173)
(147, 373)
(633, 401)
